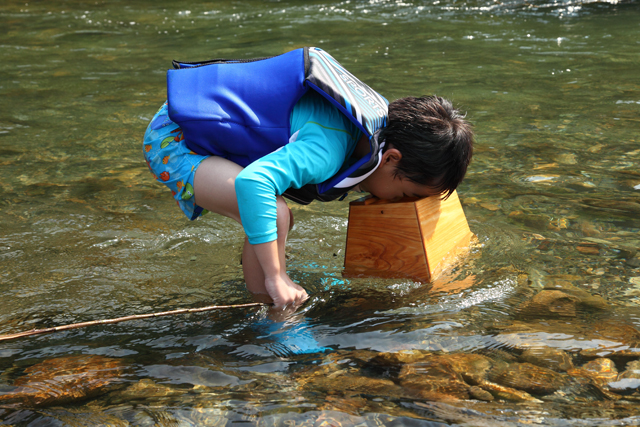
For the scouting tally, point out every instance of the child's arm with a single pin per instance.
(279, 286)
(315, 156)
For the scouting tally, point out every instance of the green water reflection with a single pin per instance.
(553, 195)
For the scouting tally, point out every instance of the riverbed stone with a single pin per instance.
(548, 357)
(472, 367)
(434, 379)
(632, 370)
(530, 378)
(349, 384)
(548, 303)
(389, 365)
(349, 405)
(624, 340)
(628, 381)
(145, 389)
(479, 393)
(625, 386)
(521, 335)
(399, 358)
(587, 300)
(507, 393)
(601, 371)
(64, 380)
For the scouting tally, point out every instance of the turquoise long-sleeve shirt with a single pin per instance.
(322, 139)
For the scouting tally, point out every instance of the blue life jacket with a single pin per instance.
(240, 109)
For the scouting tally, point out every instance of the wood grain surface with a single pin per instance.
(444, 230)
(410, 238)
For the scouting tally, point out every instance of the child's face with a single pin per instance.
(385, 184)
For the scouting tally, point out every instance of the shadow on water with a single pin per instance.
(538, 325)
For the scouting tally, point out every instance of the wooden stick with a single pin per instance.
(124, 319)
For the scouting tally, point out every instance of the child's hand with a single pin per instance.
(283, 291)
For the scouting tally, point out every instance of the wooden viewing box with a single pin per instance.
(412, 238)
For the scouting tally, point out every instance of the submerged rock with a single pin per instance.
(621, 340)
(390, 364)
(530, 378)
(585, 392)
(473, 367)
(434, 379)
(587, 300)
(560, 299)
(601, 371)
(548, 303)
(632, 370)
(480, 394)
(333, 379)
(628, 381)
(64, 380)
(349, 405)
(548, 357)
(507, 393)
(145, 389)
(625, 385)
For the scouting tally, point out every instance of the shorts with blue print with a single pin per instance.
(171, 162)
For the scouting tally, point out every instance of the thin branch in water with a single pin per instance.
(124, 319)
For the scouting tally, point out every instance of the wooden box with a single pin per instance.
(412, 238)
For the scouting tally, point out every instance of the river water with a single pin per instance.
(553, 196)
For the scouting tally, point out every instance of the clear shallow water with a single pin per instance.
(553, 195)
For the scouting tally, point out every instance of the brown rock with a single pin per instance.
(147, 388)
(548, 357)
(472, 367)
(480, 394)
(628, 380)
(601, 371)
(399, 358)
(64, 380)
(586, 299)
(390, 364)
(490, 206)
(530, 378)
(622, 332)
(567, 159)
(632, 370)
(536, 222)
(434, 379)
(614, 353)
(325, 370)
(507, 393)
(346, 384)
(626, 252)
(588, 229)
(588, 249)
(351, 405)
(548, 303)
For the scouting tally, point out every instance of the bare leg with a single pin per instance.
(253, 274)
(214, 188)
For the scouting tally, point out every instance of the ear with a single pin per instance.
(392, 155)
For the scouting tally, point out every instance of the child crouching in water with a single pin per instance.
(237, 138)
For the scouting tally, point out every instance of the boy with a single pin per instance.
(298, 125)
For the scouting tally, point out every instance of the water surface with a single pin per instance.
(552, 194)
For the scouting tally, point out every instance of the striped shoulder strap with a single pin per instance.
(367, 108)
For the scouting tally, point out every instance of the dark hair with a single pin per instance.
(435, 141)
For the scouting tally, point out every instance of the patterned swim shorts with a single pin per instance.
(171, 162)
